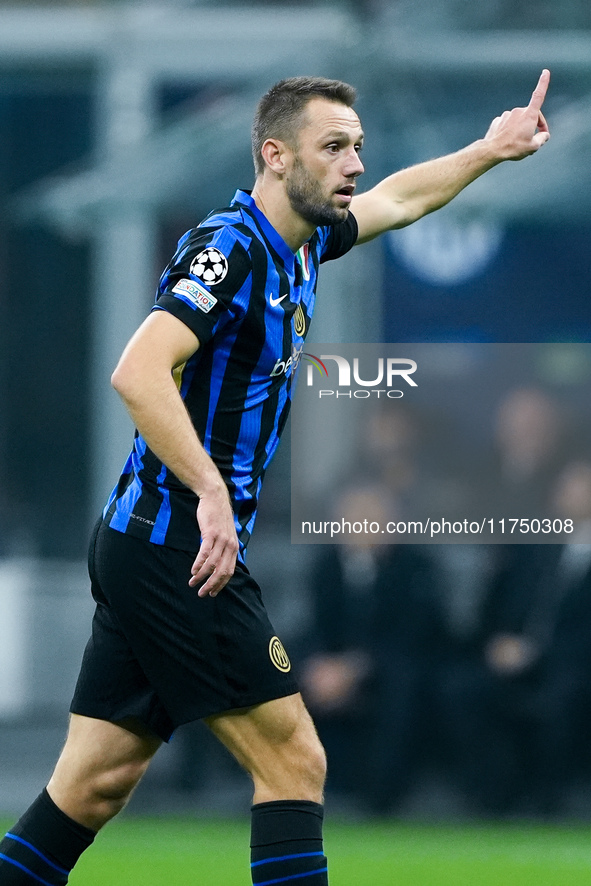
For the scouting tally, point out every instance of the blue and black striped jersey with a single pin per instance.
(238, 286)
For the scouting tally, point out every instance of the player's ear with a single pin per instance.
(275, 154)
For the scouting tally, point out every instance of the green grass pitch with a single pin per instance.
(184, 852)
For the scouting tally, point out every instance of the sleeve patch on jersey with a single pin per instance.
(191, 291)
(211, 266)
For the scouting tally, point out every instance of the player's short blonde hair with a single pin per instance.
(280, 110)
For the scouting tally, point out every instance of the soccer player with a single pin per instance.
(180, 631)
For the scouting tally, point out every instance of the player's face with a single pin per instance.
(321, 180)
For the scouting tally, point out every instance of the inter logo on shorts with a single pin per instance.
(279, 656)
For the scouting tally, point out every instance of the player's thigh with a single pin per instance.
(275, 734)
(95, 748)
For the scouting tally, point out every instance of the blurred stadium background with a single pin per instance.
(125, 122)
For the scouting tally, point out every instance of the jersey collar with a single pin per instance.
(276, 240)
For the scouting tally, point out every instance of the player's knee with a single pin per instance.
(315, 766)
(112, 789)
(305, 762)
(306, 754)
(314, 763)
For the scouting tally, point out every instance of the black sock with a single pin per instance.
(43, 846)
(286, 843)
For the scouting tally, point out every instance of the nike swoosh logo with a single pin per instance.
(275, 301)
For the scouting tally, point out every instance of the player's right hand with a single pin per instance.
(216, 561)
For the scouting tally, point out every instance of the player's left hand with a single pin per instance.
(518, 133)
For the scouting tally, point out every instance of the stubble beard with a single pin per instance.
(306, 198)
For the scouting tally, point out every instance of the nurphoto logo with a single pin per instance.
(389, 371)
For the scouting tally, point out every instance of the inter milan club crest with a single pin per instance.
(279, 656)
(299, 321)
(211, 266)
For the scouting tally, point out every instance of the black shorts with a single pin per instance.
(165, 656)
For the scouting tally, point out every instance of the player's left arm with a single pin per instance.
(406, 196)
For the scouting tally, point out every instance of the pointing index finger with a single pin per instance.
(539, 93)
